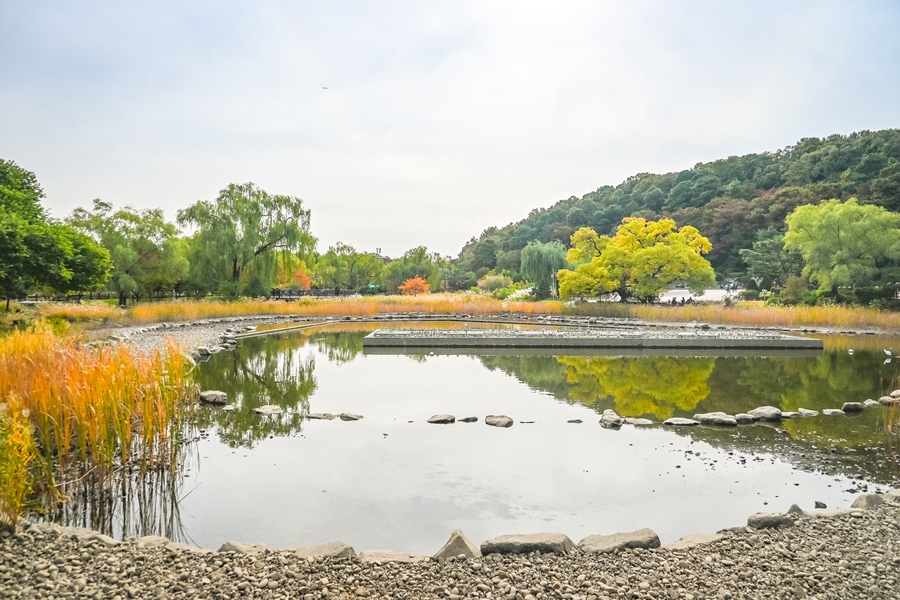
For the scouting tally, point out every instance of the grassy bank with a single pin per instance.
(751, 314)
(69, 410)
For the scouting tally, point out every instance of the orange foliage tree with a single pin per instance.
(414, 287)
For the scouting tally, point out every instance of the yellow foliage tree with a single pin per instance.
(640, 261)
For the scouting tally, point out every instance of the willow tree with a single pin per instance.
(240, 236)
(540, 262)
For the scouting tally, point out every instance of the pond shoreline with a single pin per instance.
(841, 554)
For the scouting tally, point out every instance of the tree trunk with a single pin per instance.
(123, 299)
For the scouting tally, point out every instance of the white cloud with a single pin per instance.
(440, 119)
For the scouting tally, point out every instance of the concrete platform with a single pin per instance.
(691, 339)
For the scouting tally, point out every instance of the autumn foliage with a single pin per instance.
(414, 287)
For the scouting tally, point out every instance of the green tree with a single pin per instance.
(769, 262)
(417, 262)
(245, 227)
(343, 267)
(146, 255)
(641, 261)
(843, 244)
(37, 251)
(540, 262)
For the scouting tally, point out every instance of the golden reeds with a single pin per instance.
(91, 408)
(80, 311)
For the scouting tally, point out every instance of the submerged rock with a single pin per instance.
(679, 421)
(745, 418)
(640, 421)
(468, 420)
(805, 412)
(442, 419)
(610, 419)
(456, 545)
(642, 538)
(766, 413)
(574, 421)
(498, 421)
(350, 417)
(832, 412)
(544, 543)
(320, 416)
(716, 418)
(213, 397)
(269, 409)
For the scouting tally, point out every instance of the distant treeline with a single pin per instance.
(728, 200)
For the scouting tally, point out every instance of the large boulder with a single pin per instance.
(610, 419)
(329, 550)
(498, 421)
(680, 422)
(213, 397)
(769, 520)
(545, 543)
(766, 413)
(867, 501)
(716, 418)
(389, 556)
(456, 545)
(696, 539)
(242, 548)
(442, 419)
(642, 538)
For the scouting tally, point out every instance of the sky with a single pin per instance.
(440, 119)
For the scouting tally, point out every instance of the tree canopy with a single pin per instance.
(240, 235)
(844, 244)
(641, 261)
(343, 267)
(540, 262)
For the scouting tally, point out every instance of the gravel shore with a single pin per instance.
(851, 555)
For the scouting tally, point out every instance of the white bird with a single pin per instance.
(888, 352)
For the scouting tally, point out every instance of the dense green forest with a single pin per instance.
(728, 200)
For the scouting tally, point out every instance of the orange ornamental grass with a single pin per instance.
(91, 409)
(465, 303)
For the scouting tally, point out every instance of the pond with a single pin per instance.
(392, 480)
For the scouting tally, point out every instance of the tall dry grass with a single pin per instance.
(91, 410)
(464, 303)
(17, 453)
(84, 311)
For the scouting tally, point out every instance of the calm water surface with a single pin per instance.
(394, 481)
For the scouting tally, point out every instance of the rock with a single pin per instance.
(442, 419)
(574, 421)
(349, 417)
(716, 418)
(790, 415)
(229, 407)
(152, 541)
(268, 409)
(389, 556)
(642, 538)
(805, 412)
(831, 412)
(894, 394)
(456, 545)
(468, 420)
(821, 504)
(214, 397)
(769, 520)
(826, 512)
(630, 421)
(745, 418)
(871, 403)
(610, 419)
(203, 351)
(544, 543)
(498, 421)
(888, 401)
(852, 407)
(867, 501)
(329, 550)
(320, 416)
(766, 413)
(689, 541)
(242, 548)
(678, 421)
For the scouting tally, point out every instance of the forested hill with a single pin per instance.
(728, 200)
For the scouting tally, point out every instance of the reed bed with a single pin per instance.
(354, 306)
(90, 410)
(83, 311)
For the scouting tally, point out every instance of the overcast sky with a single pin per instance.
(440, 118)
